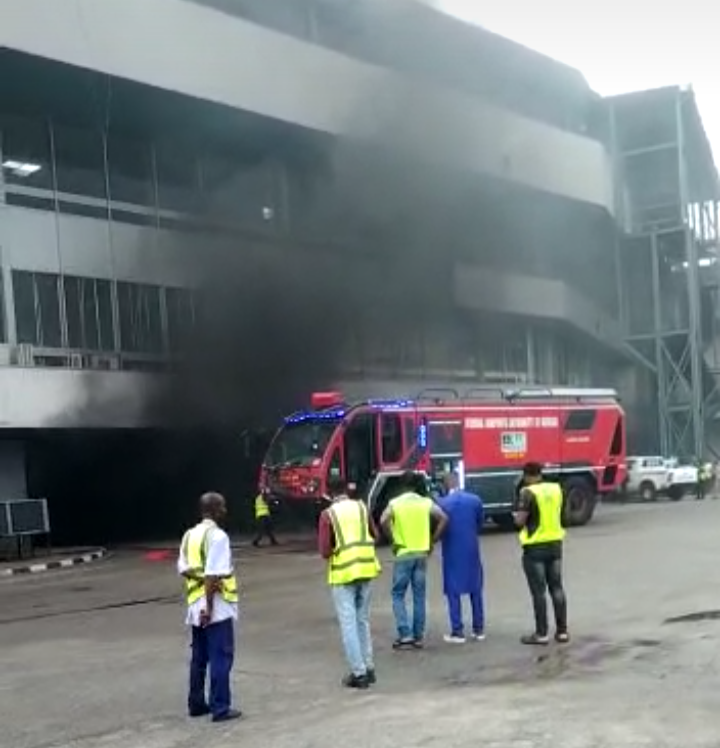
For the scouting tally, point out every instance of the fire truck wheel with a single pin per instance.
(580, 501)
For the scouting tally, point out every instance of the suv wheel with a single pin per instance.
(648, 491)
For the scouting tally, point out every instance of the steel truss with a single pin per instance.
(675, 241)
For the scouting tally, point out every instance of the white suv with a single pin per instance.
(650, 476)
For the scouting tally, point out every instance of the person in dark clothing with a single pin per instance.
(538, 516)
(263, 521)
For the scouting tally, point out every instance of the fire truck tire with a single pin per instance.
(580, 502)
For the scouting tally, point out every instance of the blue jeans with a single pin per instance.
(456, 617)
(213, 645)
(352, 605)
(410, 573)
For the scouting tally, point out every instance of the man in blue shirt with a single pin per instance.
(461, 562)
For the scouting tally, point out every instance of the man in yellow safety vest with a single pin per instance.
(346, 538)
(263, 521)
(408, 520)
(538, 515)
(205, 562)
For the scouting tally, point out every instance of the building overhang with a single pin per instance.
(547, 299)
(205, 54)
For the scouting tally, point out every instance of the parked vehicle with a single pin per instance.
(651, 476)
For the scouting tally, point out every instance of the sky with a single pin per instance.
(618, 46)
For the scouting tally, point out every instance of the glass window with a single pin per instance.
(392, 438)
(26, 158)
(106, 334)
(178, 178)
(80, 161)
(25, 318)
(73, 312)
(140, 319)
(131, 172)
(180, 310)
(301, 443)
(48, 305)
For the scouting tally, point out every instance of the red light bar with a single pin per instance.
(322, 400)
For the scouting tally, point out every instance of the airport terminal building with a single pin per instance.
(525, 222)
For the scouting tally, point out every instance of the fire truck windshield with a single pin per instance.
(298, 444)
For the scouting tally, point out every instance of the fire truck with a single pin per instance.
(485, 434)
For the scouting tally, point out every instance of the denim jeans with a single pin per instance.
(543, 570)
(352, 605)
(410, 573)
(213, 645)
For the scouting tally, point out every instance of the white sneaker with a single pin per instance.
(479, 636)
(453, 639)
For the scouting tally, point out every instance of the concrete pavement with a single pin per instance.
(96, 658)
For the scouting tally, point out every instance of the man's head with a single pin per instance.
(337, 487)
(532, 473)
(451, 481)
(408, 481)
(212, 506)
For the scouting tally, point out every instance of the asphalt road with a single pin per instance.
(96, 657)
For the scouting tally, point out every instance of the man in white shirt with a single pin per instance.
(205, 562)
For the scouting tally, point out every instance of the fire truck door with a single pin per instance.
(392, 449)
(361, 450)
(445, 444)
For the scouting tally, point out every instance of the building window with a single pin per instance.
(140, 318)
(80, 162)
(88, 309)
(178, 178)
(37, 308)
(131, 172)
(180, 311)
(26, 153)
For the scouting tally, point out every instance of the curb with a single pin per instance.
(64, 563)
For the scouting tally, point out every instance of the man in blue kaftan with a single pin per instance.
(461, 561)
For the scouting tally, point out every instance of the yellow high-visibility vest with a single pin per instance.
(261, 507)
(354, 557)
(195, 545)
(549, 500)
(411, 524)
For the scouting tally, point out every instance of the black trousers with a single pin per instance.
(543, 569)
(264, 530)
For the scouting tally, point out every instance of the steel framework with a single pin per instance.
(668, 196)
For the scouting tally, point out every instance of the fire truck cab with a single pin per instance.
(485, 434)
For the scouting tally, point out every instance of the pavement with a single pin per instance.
(95, 657)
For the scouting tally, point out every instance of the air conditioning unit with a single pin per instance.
(25, 355)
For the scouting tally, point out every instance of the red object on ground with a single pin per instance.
(157, 555)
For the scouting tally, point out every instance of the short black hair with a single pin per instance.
(337, 486)
(533, 470)
(408, 480)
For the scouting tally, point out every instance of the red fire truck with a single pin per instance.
(484, 433)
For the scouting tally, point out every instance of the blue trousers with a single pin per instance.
(454, 602)
(410, 573)
(213, 645)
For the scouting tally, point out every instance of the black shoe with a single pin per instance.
(227, 716)
(256, 543)
(371, 677)
(202, 711)
(535, 640)
(405, 643)
(356, 681)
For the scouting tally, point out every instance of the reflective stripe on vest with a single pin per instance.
(194, 548)
(549, 501)
(354, 557)
(261, 507)
(411, 524)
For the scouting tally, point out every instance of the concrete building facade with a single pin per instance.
(349, 142)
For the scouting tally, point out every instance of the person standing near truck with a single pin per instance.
(346, 538)
(263, 521)
(407, 521)
(538, 516)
